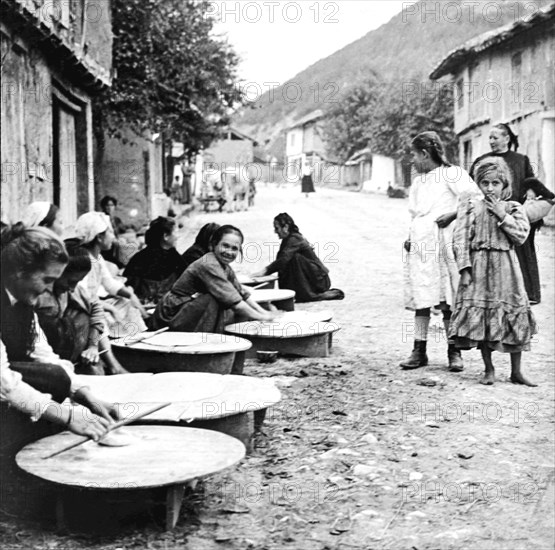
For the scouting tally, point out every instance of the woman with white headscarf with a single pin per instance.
(123, 308)
(43, 214)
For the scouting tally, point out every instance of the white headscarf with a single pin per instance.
(90, 225)
(35, 213)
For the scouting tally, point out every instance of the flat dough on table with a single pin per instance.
(300, 316)
(172, 339)
(117, 438)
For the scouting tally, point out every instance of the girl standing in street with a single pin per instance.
(504, 144)
(431, 276)
(492, 310)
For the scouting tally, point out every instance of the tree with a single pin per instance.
(346, 123)
(385, 117)
(172, 75)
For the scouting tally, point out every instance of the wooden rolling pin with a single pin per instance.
(111, 428)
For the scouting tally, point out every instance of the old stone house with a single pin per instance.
(305, 142)
(56, 55)
(506, 75)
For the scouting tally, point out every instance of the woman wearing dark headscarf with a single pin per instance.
(504, 144)
(431, 276)
(298, 266)
(153, 270)
(201, 244)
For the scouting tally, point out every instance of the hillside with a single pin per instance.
(404, 49)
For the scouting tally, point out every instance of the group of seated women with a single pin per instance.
(196, 291)
(61, 303)
(199, 291)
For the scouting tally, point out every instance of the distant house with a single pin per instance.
(232, 149)
(506, 75)
(304, 141)
(370, 171)
(55, 57)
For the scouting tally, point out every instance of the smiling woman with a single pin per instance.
(208, 296)
(32, 375)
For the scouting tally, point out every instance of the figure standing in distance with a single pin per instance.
(307, 184)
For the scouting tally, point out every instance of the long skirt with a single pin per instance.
(493, 311)
(529, 267)
(307, 185)
(307, 278)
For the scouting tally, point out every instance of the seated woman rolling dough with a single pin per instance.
(74, 322)
(33, 377)
(297, 265)
(207, 296)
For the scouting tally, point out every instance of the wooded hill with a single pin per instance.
(403, 50)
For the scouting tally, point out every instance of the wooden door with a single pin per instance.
(65, 163)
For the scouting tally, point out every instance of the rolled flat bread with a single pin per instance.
(117, 438)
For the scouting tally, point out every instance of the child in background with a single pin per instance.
(492, 310)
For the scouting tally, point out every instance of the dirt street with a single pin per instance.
(360, 454)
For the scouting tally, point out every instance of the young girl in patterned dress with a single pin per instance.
(492, 310)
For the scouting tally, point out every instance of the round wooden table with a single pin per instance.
(305, 335)
(159, 456)
(234, 405)
(183, 352)
(282, 298)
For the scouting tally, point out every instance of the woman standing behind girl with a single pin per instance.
(431, 276)
(492, 310)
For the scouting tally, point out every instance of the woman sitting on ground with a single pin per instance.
(74, 324)
(43, 214)
(297, 265)
(123, 310)
(201, 244)
(207, 296)
(34, 378)
(152, 271)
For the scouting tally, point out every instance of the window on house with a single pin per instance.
(292, 140)
(516, 78)
(516, 67)
(459, 95)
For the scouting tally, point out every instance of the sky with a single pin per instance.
(278, 39)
